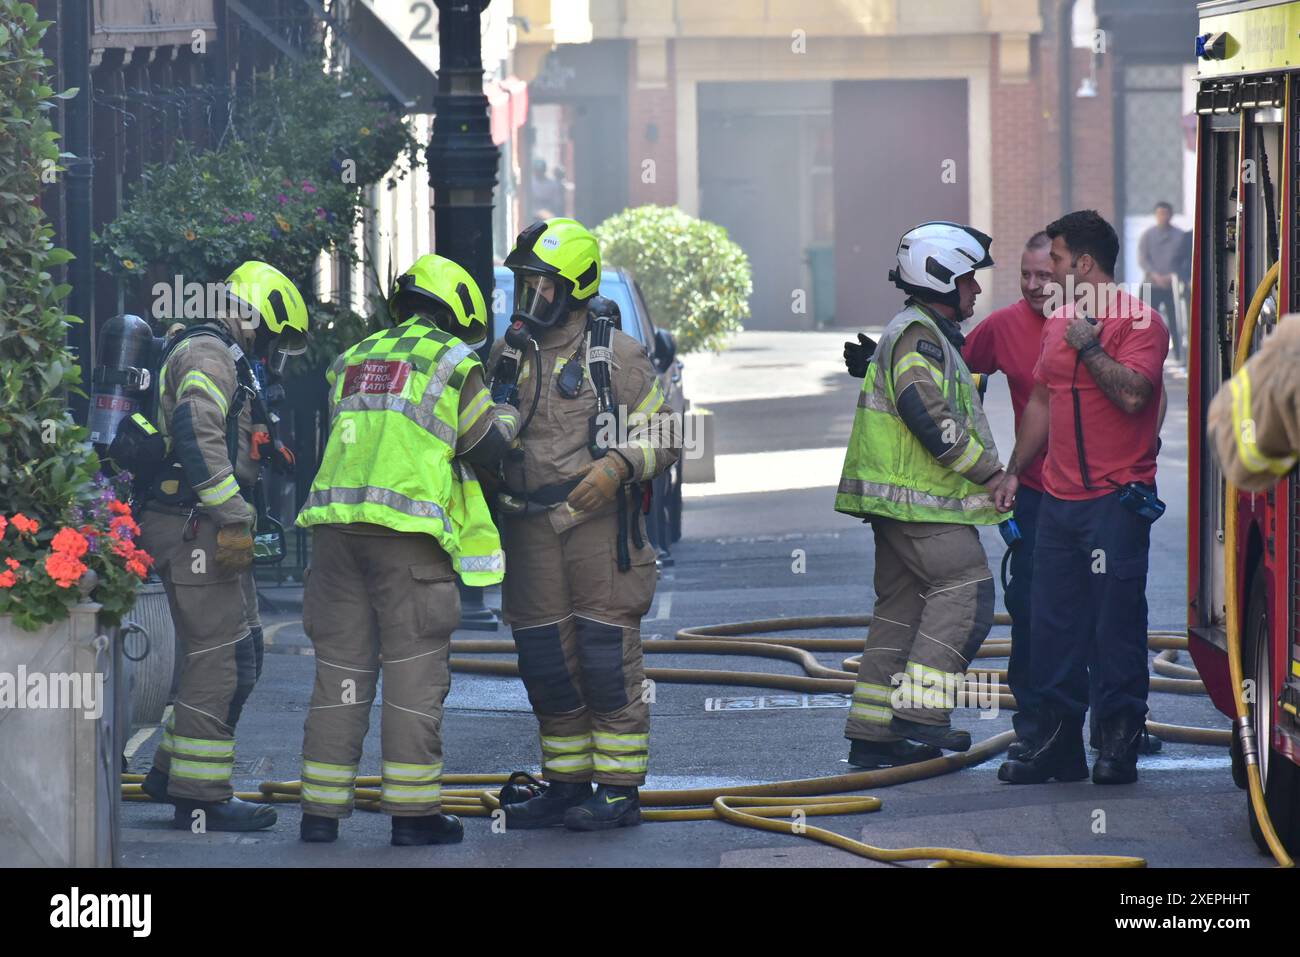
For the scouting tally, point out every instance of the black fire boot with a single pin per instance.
(889, 754)
(936, 735)
(1060, 755)
(1148, 743)
(1117, 763)
(427, 829)
(318, 830)
(232, 815)
(1027, 726)
(155, 785)
(547, 809)
(1020, 749)
(613, 805)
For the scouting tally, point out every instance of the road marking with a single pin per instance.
(138, 740)
(663, 606)
(771, 702)
(269, 633)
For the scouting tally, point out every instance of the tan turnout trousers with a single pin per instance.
(376, 599)
(577, 627)
(207, 605)
(934, 608)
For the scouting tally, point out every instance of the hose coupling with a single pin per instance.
(1246, 735)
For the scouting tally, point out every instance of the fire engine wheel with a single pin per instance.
(1281, 778)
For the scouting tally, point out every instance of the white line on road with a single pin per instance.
(144, 734)
(663, 606)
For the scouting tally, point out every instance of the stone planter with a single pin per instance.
(60, 743)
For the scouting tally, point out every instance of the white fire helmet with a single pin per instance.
(933, 256)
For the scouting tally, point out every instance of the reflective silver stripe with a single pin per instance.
(575, 763)
(324, 498)
(625, 743)
(906, 496)
(442, 375)
(317, 794)
(483, 563)
(412, 772)
(606, 762)
(423, 412)
(866, 691)
(869, 712)
(411, 794)
(329, 772)
(202, 770)
(876, 402)
(420, 413)
(570, 744)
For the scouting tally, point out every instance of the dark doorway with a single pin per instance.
(893, 139)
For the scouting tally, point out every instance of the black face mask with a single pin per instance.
(537, 312)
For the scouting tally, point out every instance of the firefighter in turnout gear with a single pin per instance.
(1255, 422)
(196, 520)
(581, 572)
(397, 514)
(921, 467)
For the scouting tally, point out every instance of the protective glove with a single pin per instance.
(235, 546)
(857, 355)
(598, 486)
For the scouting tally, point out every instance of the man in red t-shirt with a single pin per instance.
(1095, 406)
(1008, 341)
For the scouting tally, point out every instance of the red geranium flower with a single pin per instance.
(8, 579)
(124, 526)
(26, 525)
(119, 508)
(64, 569)
(70, 542)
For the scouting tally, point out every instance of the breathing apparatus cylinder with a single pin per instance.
(123, 375)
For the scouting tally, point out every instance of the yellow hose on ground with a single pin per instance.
(1254, 772)
(767, 806)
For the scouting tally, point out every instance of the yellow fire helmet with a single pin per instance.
(564, 251)
(435, 284)
(274, 301)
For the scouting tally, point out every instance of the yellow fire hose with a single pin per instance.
(1244, 729)
(760, 806)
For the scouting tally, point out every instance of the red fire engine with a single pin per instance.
(1244, 549)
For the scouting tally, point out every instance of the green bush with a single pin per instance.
(696, 281)
(65, 540)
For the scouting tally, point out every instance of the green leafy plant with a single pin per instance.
(693, 276)
(46, 465)
(286, 185)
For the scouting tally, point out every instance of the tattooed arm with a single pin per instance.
(1127, 388)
